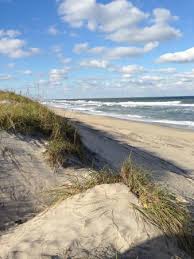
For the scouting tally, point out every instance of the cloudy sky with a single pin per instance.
(97, 48)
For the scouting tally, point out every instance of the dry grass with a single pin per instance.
(158, 206)
(82, 184)
(22, 115)
(10, 96)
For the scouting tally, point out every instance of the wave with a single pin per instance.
(124, 104)
(172, 122)
(174, 113)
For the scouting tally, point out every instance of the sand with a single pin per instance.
(96, 224)
(166, 153)
(102, 221)
(25, 178)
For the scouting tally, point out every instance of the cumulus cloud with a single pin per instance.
(9, 33)
(14, 47)
(127, 52)
(165, 70)
(81, 47)
(120, 20)
(115, 52)
(160, 30)
(58, 50)
(151, 78)
(185, 56)
(94, 63)
(27, 72)
(53, 31)
(105, 17)
(5, 77)
(56, 76)
(131, 69)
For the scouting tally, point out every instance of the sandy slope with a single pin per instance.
(167, 153)
(25, 178)
(94, 224)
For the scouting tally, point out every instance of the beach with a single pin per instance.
(166, 152)
(69, 190)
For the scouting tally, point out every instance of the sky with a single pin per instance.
(97, 48)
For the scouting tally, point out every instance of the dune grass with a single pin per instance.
(83, 183)
(22, 115)
(157, 205)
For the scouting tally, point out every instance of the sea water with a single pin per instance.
(172, 111)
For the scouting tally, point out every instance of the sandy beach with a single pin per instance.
(75, 210)
(166, 152)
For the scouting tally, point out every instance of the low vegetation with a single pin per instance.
(158, 206)
(82, 184)
(20, 114)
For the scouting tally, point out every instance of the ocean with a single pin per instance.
(172, 111)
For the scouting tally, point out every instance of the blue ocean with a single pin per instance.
(172, 111)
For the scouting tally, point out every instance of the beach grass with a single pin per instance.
(19, 114)
(83, 183)
(157, 205)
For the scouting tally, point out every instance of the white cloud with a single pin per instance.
(160, 30)
(27, 72)
(56, 76)
(5, 77)
(84, 47)
(131, 69)
(116, 52)
(151, 78)
(106, 17)
(119, 20)
(178, 57)
(81, 47)
(97, 50)
(126, 52)
(14, 47)
(95, 63)
(11, 65)
(52, 30)
(9, 33)
(58, 50)
(165, 70)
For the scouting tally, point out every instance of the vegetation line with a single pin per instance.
(157, 205)
(19, 114)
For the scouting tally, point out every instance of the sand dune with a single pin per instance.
(25, 177)
(102, 221)
(94, 224)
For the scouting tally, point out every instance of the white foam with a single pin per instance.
(172, 122)
(123, 104)
(90, 108)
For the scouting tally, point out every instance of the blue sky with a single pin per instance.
(97, 48)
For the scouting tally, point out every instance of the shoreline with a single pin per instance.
(159, 124)
(162, 124)
(165, 153)
(168, 143)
